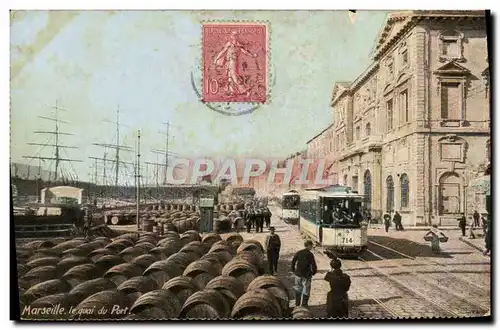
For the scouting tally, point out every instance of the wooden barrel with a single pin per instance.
(206, 304)
(147, 225)
(273, 285)
(301, 313)
(258, 300)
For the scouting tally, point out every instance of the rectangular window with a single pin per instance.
(358, 133)
(389, 108)
(450, 100)
(404, 57)
(450, 48)
(355, 182)
(403, 104)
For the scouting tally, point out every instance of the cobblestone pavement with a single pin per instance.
(398, 276)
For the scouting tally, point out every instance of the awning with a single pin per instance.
(482, 184)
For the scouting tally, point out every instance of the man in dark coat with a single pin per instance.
(387, 221)
(337, 300)
(273, 246)
(259, 221)
(249, 218)
(462, 223)
(476, 218)
(267, 217)
(398, 221)
(304, 268)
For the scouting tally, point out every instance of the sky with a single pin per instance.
(92, 63)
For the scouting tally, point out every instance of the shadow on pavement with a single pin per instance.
(404, 246)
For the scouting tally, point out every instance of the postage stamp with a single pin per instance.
(235, 62)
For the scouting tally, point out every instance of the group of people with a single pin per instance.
(478, 221)
(256, 217)
(396, 218)
(304, 267)
(341, 215)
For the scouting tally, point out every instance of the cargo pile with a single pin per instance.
(180, 274)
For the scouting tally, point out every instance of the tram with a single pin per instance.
(290, 207)
(332, 217)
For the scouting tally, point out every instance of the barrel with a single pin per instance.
(257, 301)
(273, 285)
(301, 313)
(206, 304)
(147, 225)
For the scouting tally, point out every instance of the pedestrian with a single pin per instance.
(273, 246)
(471, 230)
(462, 223)
(476, 218)
(248, 220)
(435, 236)
(487, 238)
(267, 217)
(337, 300)
(484, 223)
(387, 221)
(304, 268)
(398, 221)
(368, 216)
(259, 221)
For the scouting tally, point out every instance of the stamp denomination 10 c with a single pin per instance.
(235, 62)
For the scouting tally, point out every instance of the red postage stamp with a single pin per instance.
(235, 64)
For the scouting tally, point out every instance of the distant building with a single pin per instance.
(413, 130)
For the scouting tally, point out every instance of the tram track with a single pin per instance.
(432, 285)
(432, 263)
(406, 293)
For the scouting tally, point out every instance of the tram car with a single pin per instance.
(333, 218)
(290, 207)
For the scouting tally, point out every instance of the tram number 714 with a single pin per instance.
(346, 239)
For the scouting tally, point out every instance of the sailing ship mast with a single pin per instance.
(117, 162)
(58, 147)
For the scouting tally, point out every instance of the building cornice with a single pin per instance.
(413, 18)
(320, 133)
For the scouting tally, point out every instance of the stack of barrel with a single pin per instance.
(154, 277)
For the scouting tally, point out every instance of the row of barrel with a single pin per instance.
(144, 276)
(192, 207)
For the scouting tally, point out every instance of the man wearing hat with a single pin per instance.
(273, 246)
(304, 268)
(340, 283)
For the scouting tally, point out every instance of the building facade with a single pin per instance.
(413, 130)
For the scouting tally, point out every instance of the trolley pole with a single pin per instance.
(138, 180)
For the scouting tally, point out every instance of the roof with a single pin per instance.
(397, 23)
(291, 194)
(329, 126)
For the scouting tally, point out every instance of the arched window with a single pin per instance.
(367, 183)
(368, 129)
(390, 193)
(405, 190)
(449, 194)
(345, 180)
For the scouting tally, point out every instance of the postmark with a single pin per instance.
(235, 62)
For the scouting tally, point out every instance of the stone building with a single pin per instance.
(411, 132)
